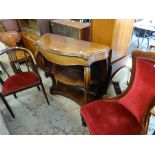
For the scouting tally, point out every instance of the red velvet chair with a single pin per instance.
(128, 113)
(23, 78)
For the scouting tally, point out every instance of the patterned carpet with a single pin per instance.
(35, 117)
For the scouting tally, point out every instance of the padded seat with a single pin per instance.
(128, 113)
(25, 80)
(109, 118)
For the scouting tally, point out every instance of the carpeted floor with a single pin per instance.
(34, 116)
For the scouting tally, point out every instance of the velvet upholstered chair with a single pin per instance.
(24, 77)
(129, 112)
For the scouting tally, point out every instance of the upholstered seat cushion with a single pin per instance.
(20, 81)
(109, 118)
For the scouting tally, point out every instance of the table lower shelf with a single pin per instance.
(74, 93)
(71, 75)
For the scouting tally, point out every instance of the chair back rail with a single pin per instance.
(16, 63)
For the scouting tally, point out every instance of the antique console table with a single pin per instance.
(78, 68)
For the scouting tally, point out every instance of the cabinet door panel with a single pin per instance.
(115, 33)
(121, 40)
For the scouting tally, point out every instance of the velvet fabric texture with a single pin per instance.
(124, 116)
(142, 89)
(19, 81)
(109, 118)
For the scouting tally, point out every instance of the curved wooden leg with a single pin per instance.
(104, 83)
(54, 83)
(87, 75)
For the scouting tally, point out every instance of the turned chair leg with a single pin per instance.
(42, 86)
(8, 107)
(83, 121)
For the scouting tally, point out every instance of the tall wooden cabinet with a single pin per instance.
(116, 33)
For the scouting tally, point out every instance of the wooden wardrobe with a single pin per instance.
(116, 33)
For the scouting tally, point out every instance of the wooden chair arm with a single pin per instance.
(147, 114)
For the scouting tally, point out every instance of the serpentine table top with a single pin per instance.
(75, 48)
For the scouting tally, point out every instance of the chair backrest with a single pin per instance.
(17, 64)
(143, 86)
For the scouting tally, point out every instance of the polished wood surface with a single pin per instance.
(115, 33)
(12, 39)
(102, 31)
(70, 51)
(74, 64)
(122, 37)
(28, 41)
